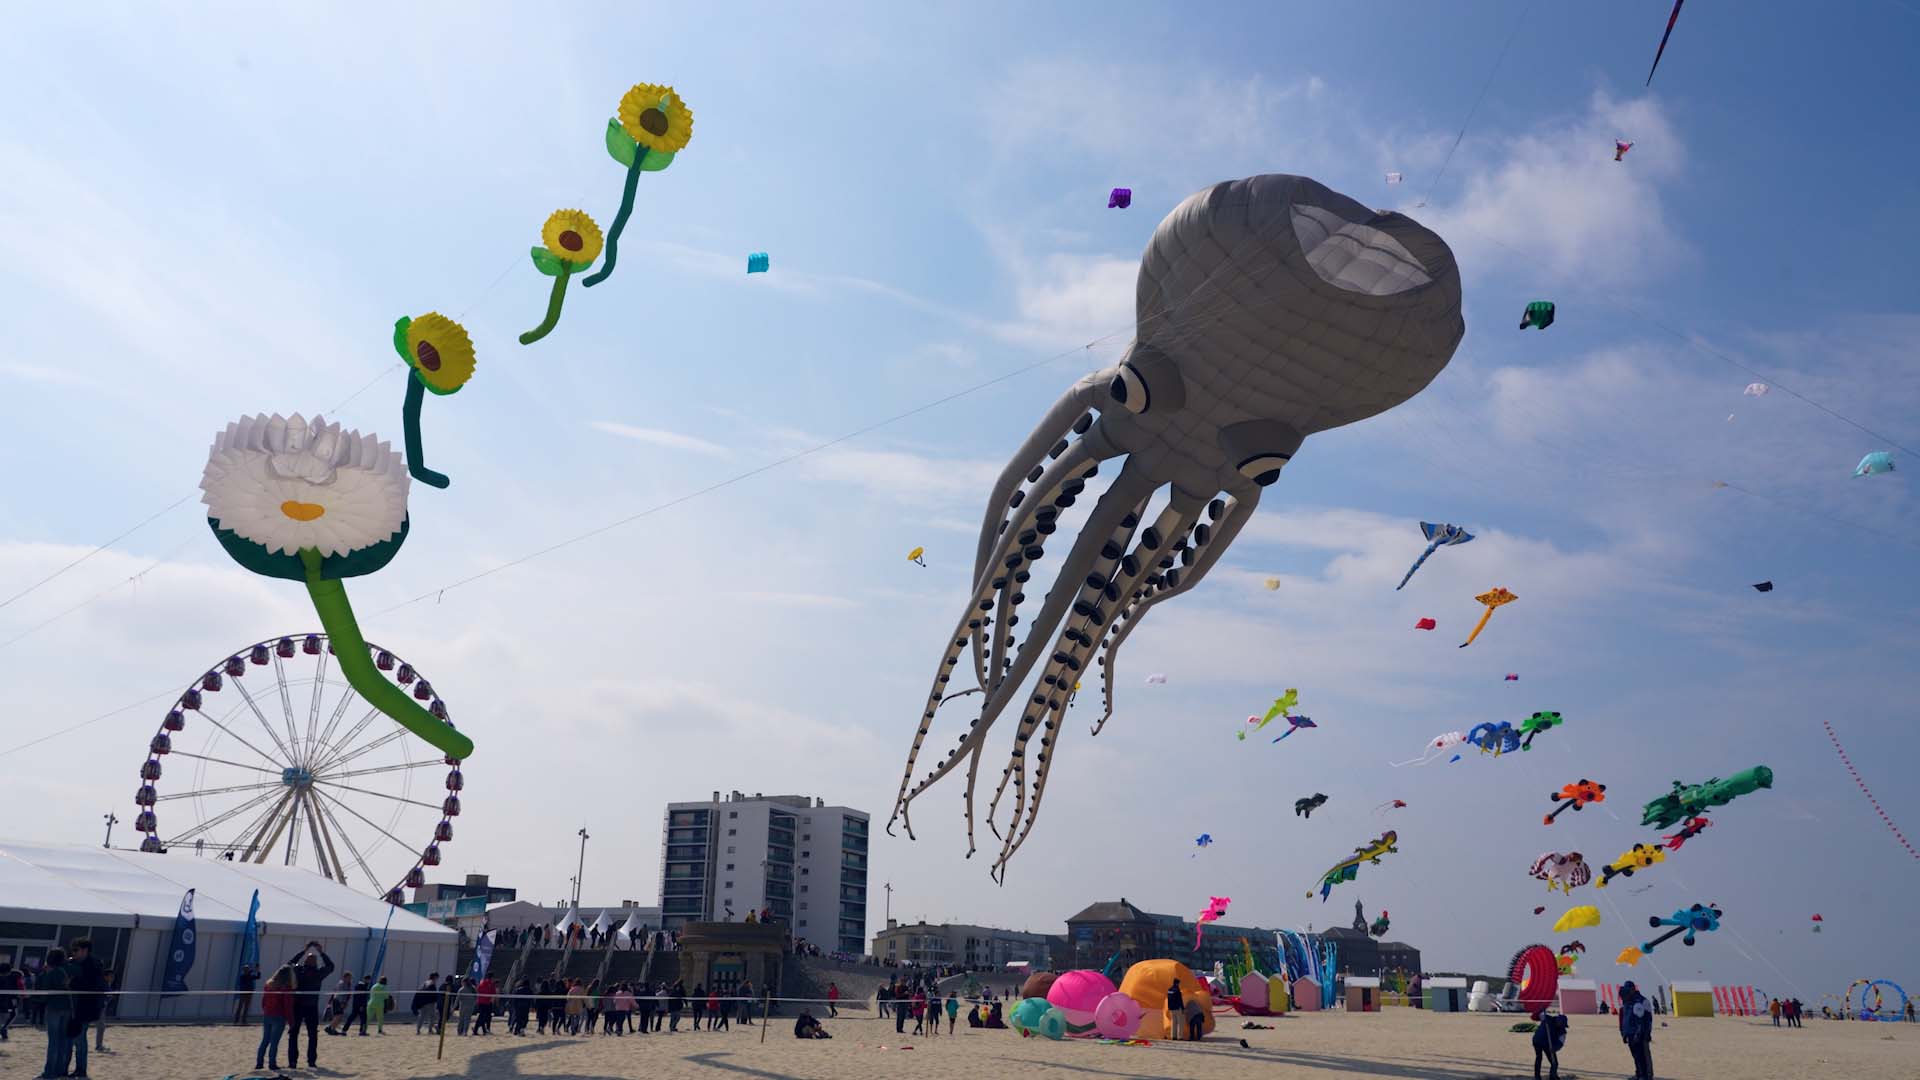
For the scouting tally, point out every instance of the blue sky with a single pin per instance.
(221, 212)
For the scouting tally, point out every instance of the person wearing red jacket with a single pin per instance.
(276, 1012)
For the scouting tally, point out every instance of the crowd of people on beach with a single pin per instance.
(67, 997)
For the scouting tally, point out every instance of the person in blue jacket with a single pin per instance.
(1636, 1029)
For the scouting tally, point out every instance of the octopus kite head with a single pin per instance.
(1267, 309)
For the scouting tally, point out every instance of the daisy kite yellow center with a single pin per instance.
(302, 511)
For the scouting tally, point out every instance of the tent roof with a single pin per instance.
(74, 884)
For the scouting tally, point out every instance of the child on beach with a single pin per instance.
(377, 998)
(953, 1011)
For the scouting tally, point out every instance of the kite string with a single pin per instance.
(144, 522)
(1519, 24)
(1864, 790)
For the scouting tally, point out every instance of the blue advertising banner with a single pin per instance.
(180, 950)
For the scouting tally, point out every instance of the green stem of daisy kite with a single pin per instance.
(558, 297)
(416, 458)
(350, 651)
(619, 222)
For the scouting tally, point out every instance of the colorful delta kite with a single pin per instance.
(1577, 918)
(1671, 19)
(570, 243)
(1294, 723)
(1694, 827)
(1565, 871)
(1278, 709)
(1494, 738)
(1438, 536)
(1228, 279)
(1493, 598)
(1539, 315)
(1763, 586)
(1119, 198)
(1691, 921)
(650, 126)
(1304, 808)
(310, 502)
(439, 358)
(1620, 148)
(1425, 624)
(917, 556)
(1437, 748)
(1686, 800)
(1574, 796)
(1348, 869)
(1537, 724)
(1877, 462)
(1215, 910)
(1637, 857)
(758, 262)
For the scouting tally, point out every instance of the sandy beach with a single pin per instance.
(1395, 1043)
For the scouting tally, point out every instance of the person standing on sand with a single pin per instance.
(377, 998)
(276, 1012)
(1773, 1010)
(310, 970)
(953, 1011)
(243, 985)
(833, 999)
(1636, 1029)
(426, 1005)
(1176, 1010)
(52, 985)
(676, 1001)
(1549, 1035)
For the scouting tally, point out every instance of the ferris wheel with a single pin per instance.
(297, 769)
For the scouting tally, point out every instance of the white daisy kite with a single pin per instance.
(308, 501)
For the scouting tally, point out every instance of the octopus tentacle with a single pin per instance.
(1167, 533)
(1067, 414)
(1132, 480)
(1099, 574)
(1237, 512)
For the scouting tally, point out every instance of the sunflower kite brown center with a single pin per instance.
(571, 240)
(653, 121)
(428, 355)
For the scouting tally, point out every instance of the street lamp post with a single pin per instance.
(582, 869)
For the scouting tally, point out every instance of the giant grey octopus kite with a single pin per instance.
(1267, 309)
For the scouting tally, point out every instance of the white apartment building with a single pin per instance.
(791, 854)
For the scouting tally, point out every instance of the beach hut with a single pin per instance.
(1306, 994)
(1363, 994)
(1445, 994)
(1692, 998)
(1579, 997)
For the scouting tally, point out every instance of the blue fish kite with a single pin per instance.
(1438, 536)
(1877, 462)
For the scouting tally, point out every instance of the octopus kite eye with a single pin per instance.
(1130, 390)
(1263, 469)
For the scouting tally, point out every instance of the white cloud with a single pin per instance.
(903, 477)
(672, 440)
(1555, 196)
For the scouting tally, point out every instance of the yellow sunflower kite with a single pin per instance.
(439, 357)
(572, 242)
(653, 124)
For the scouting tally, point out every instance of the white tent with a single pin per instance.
(604, 923)
(632, 928)
(126, 902)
